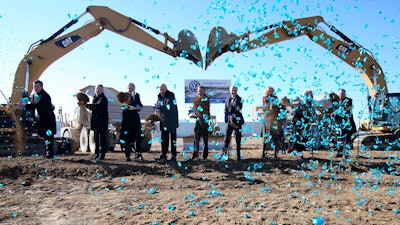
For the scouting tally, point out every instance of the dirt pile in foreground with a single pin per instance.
(78, 190)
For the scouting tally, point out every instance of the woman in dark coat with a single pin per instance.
(303, 122)
(131, 128)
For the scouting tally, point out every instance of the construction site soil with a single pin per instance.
(75, 189)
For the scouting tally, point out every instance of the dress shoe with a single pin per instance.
(162, 157)
(140, 158)
(195, 155)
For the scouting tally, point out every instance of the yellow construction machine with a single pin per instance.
(16, 134)
(381, 130)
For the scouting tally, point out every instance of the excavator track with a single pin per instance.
(377, 141)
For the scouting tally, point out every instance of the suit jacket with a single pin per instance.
(304, 114)
(234, 106)
(99, 107)
(42, 103)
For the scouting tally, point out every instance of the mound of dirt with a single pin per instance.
(75, 189)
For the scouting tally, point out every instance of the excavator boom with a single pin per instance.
(36, 61)
(15, 135)
(384, 109)
(352, 53)
(44, 52)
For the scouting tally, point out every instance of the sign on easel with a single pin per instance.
(216, 90)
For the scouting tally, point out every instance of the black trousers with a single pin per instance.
(238, 137)
(100, 138)
(129, 139)
(197, 137)
(48, 143)
(165, 138)
(346, 140)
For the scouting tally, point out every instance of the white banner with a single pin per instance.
(216, 90)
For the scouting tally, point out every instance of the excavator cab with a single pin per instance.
(391, 113)
(384, 113)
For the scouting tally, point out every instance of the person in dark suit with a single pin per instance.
(131, 129)
(46, 125)
(302, 126)
(201, 107)
(343, 115)
(234, 120)
(99, 122)
(167, 108)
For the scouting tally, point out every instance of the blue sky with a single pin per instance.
(290, 67)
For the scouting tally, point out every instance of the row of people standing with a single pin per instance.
(166, 107)
(274, 122)
(304, 123)
(131, 133)
(46, 120)
(203, 126)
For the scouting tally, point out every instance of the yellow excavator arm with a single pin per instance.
(383, 110)
(44, 52)
(352, 53)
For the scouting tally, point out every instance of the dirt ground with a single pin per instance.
(75, 189)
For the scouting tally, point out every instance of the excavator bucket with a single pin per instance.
(219, 41)
(187, 47)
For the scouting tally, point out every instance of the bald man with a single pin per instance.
(167, 108)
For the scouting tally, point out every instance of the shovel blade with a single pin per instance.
(219, 42)
(187, 47)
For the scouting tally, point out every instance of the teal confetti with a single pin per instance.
(49, 133)
(318, 221)
(171, 207)
(152, 190)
